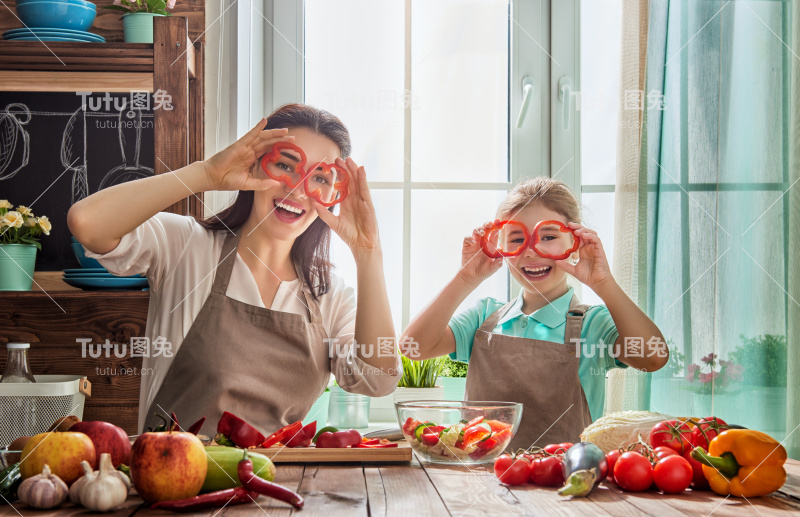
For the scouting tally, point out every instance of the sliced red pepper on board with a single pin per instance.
(376, 446)
(303, 437)
(368, 441)
(232, 430)
(284, 433)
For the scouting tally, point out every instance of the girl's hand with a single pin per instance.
(356, 223)
(477, 266)
(234, 168)
(592, 268)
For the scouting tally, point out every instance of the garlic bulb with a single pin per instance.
(105, 490)
(75, 489)
(43, 491)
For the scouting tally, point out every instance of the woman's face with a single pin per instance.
(284, 212)
(535, 273)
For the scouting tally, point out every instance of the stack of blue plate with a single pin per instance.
(42, 34)
(100, 278)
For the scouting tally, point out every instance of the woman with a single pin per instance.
(255, 319)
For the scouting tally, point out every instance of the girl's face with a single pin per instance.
(284, 212)
(534, 273)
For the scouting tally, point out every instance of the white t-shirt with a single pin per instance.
(179, 258)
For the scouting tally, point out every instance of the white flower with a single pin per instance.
(5, 204)
(170, 4)
(30, 221)
(44, 224)
(13, 219)
(24, 210)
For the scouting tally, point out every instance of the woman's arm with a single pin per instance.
(122, 208)
(633, 325)
(428, 334)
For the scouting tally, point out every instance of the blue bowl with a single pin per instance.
(56, 15)
(86, 262)
(80, 2)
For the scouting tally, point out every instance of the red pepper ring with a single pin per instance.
(499, 252)
(275, 153)
(302, 175)
(563, 228)
(338, 186)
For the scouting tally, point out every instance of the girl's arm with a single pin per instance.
(634, 327)
(357, 226)
(429, 334)
(122, 208)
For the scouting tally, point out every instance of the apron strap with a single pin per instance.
(572, 332)
(491, 322)
(227, 257)
(314, 313)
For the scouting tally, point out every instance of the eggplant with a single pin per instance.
(584, 467)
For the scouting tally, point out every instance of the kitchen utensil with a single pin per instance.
(12, 133)
(125, 172)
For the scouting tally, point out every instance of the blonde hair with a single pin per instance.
(553, 194)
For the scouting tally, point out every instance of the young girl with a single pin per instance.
(255, 321)
(543, 349)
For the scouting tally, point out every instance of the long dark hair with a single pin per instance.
(310, 252)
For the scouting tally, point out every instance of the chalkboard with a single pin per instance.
(57, 148)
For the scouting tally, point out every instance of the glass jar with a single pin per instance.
(348, 410)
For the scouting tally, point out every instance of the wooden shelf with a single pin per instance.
(71, 57)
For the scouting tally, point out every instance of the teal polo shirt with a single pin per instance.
(549, 324)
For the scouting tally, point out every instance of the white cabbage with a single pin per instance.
(622, 429)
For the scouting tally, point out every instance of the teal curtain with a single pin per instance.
(717, 158)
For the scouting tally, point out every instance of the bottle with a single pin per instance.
(17, 369)
(22, 414)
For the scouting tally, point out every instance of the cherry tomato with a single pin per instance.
(566, 445)
(633, 472)
(511, 471)
(547, 471)
(712, 426)
(673, 474)
(611, 459)
(674, 434)
(555, 448)
(430, 438)
(699, 481)
(662, 452)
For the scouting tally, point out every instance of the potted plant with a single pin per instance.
(137, 21)
(712, 389)
(419, 380)
(765, 377)
(19, 240)
(453, 379)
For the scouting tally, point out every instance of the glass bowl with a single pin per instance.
(8, 458)
(459, 432)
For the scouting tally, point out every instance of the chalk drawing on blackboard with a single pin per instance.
(73, 153)
(12, 134)
(127, 172)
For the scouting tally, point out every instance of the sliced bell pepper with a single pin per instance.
(303, 437)
(483, 448)
(476, 433)
(743, 463)
(232, 430)
(503, 436)
(497, 425)
(376, 446)
(410, 425)
(284, 433)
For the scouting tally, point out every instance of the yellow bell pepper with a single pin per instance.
(743, 463)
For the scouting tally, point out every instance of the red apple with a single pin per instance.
(108, 438)
(63, 452)
(168, 466)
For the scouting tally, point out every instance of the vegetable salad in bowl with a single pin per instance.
(459, 432)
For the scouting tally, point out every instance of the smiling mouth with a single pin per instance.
(287, 211)
(536, 273)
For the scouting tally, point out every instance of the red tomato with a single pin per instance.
(699, 481)
(430, 436)
(511, 471)
(662, 452)
(555, 448)
(633, 472)
(410, 425)
(673, 474)
(497, 425)
(547, 471)
(474, 434)
(711, 426)
(566, 445)
(611, 459)
(674, 434)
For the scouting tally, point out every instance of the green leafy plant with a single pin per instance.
(142, 6)
(766, 358)
(452, 368)
(420, 374)
(20, 226)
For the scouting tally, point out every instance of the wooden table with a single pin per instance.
(424, 489)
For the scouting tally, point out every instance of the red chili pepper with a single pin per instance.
(231, 496)
(283, 434)
(252, 482)
(375, 446)
(195, 428)
(232, 430)
(175, 426)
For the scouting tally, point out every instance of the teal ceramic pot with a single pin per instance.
(17, 262)
(138, 27)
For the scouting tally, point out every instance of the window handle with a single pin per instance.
(527, 99)
(564, 93)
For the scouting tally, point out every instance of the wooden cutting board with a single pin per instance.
(281, 454)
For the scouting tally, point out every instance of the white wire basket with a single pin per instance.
(27, 409)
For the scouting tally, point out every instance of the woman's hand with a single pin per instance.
(592, 268)
(356, 223)
(234, 168)
(477, 266)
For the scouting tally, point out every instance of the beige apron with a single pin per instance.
(542, 375)
(267, 367)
